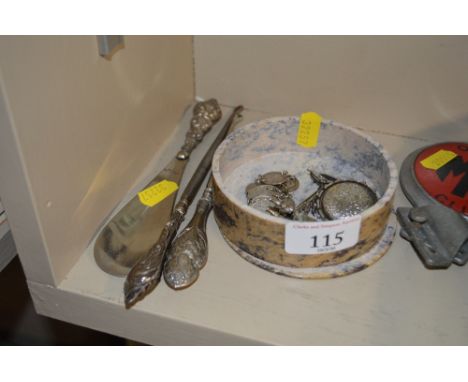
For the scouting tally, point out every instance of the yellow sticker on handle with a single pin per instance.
(157, 192)
(438, 159)
(309, 128)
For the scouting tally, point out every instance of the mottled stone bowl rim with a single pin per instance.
(230, 139)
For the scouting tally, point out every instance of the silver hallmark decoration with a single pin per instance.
(188, 253)
(333, 199)
(274, 178)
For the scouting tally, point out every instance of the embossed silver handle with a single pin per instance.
(189, 251)
(205, 115)
(145, 275)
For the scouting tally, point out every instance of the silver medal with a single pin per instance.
(346, 198)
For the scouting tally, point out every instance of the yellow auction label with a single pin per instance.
(157, 192)
(309, 128)
(438, 159)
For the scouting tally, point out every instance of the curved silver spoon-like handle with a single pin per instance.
(189, 251)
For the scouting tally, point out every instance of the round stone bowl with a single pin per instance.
(270, 145)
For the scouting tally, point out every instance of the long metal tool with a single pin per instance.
(130, 234)
(189, 250)
(146, 274)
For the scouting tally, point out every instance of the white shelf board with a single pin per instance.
(395, 301)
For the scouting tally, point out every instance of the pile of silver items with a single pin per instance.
(188, 252)
(271, 193)
(333, 199)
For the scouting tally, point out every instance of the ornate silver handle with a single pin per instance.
(205, 115)
(145, 275)
(189, 251)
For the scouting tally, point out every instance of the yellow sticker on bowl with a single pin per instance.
(157, 192)
(309, 128)
(438, 159)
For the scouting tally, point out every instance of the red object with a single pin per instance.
(449, 183)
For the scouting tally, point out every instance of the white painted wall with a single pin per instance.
(77, 131)
(414, 86)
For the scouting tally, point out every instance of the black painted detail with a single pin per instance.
(458, 167)
(222, 215)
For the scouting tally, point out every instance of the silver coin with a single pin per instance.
(304, 217)
(274, 178)
(250, 187)
(263, 190)
(275, 199)
(287, 206)
(273, 212)
(262, 204)
(291, 184)
(346, 198)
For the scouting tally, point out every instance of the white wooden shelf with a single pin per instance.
(395, 301)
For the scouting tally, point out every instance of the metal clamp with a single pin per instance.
(438, 234)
